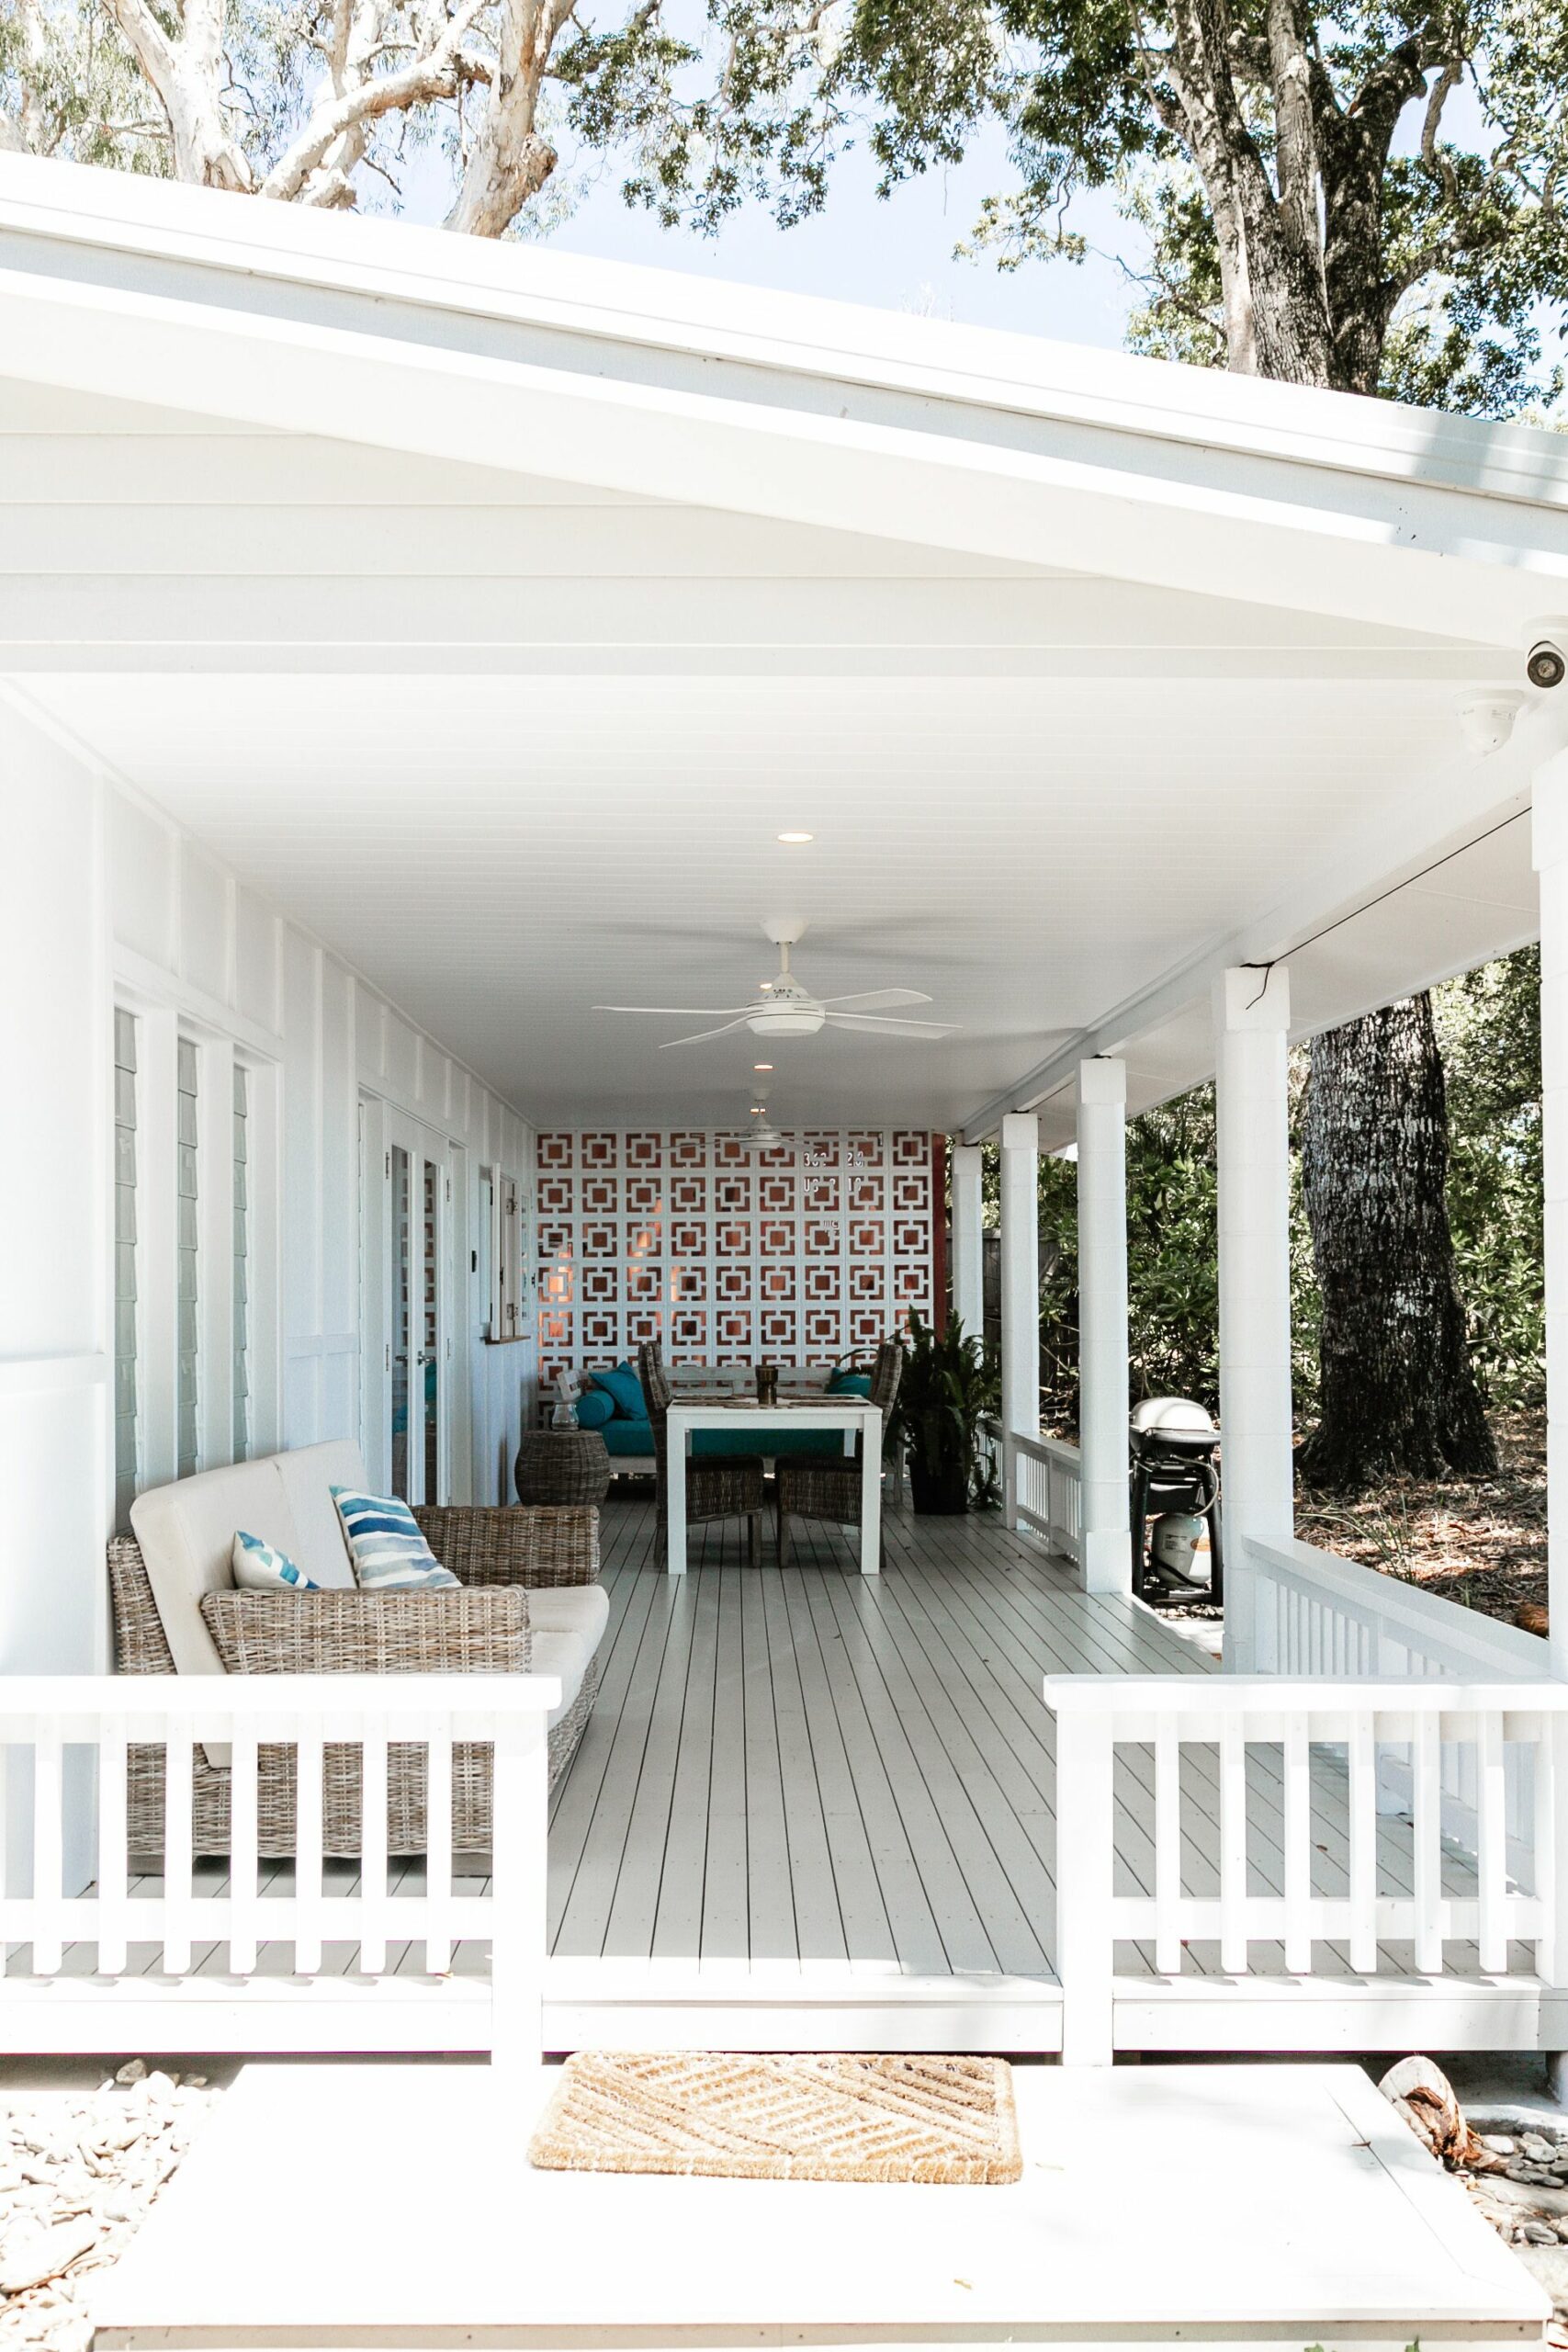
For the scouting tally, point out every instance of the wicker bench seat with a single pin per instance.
(530, 1601)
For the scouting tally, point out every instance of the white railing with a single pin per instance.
(1293, 1768)
(65, 1746)
(1041, 1489)
(1315, 1614)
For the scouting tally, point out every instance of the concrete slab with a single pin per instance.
(391, 2206)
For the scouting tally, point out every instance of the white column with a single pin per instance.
(968, 1266)
(1020, 1274)
(1106, 1558)
(1549, 850)
(1252, 1014)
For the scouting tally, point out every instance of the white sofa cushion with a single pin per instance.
(566, 1624)
(308, 1475)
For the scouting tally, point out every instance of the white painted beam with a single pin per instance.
(1327, 504)
(1105, 1558)
(1460, 802)
(968, 1256)
(1252, 1018)
(1020, 1274)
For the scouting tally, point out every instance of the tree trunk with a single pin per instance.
(1398, 1395)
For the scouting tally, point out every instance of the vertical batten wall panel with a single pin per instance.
(56, 1210)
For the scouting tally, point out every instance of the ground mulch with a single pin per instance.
(1480, 1542)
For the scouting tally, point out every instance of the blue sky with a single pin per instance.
(896, 255)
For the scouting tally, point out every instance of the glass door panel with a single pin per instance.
(417, 1175)
(402, 1317)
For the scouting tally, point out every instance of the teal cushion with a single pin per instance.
(849, 1383)
(595, 1407)
(624, 1387)
(628, 1437)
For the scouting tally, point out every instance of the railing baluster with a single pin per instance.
(1363, 1829)
(179, 1766)
(308, 1881)
(1492, 1840)
(1298, 1847)
(373, 1842)
(438, 1843)
(49, 1858)
(1427, 1812)
(245, 1890)
(1551, 1874)
(1168, 1846)
(113, 1884)
(517, 1894)
(1233, 1846)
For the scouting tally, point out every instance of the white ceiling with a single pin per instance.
(513, 746)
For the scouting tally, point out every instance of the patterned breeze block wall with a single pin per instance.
(799, 1254)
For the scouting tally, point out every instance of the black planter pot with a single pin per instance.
(940, 1493)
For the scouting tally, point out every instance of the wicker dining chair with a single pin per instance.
(718, 1485)
(818, 1486)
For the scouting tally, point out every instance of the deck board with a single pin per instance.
(806, 1764)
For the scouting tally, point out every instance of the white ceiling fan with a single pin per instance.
(785, 1008)
(760, 1136)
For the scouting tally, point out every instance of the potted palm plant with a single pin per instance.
(949, 1387)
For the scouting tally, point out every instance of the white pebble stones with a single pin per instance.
(77, 2175)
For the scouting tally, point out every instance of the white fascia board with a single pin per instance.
(1436, 817)
(1138, 469)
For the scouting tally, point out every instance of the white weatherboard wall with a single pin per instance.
(101, 897)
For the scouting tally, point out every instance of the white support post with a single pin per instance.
(1020, 1274)
(1550, 851)
(968, 1264)
(1252, 1014)
(1105, 1554)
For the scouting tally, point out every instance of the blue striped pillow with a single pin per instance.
(389, 1552)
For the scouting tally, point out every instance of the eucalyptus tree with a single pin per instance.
(334, 102)
(1365, 197)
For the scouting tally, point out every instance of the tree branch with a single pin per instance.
(421, 82)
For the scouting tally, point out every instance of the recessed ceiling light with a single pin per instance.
(797, 837)
(762, 1065)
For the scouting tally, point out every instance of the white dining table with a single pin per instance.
(851, 1415)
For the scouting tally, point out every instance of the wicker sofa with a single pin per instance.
(530, 1601)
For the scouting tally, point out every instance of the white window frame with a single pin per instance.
(161, 1023)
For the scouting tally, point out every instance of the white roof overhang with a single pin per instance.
(1046, 515)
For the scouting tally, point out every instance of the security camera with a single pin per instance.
(1486, 721)
(1546, 665)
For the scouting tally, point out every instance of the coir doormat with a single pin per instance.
(797, 2117)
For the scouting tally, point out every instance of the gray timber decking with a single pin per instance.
(807, 1763)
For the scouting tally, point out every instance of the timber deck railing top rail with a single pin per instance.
(1306, 1756)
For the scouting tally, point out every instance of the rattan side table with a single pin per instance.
(562, 1466)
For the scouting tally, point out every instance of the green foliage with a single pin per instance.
(949, 1385)
(1440, 266)
(1489, 1029)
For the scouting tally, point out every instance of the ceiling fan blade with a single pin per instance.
(878, 1027)
(686, 1011)
(879, 999)
(702, 1035)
